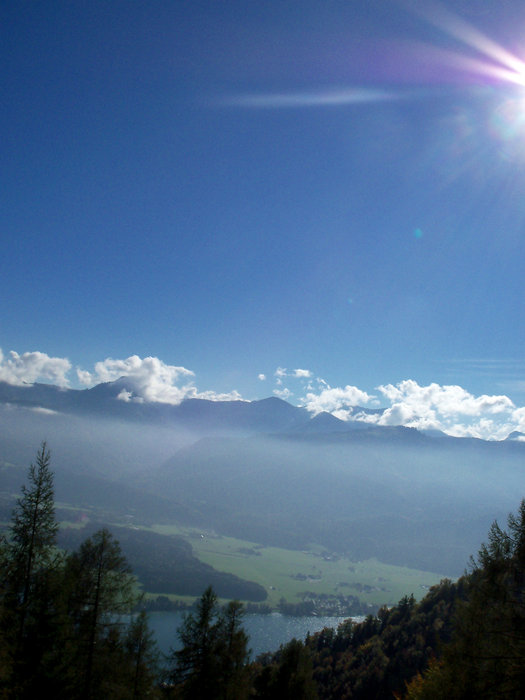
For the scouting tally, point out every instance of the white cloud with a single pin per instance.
(152, 380)
(84, 377)
(518, 418)
(336, 400)
(282, 372)
(134, 366)
(44, 411)
(33, 366)
(451, 409)
(447, 400)
(193, 393)
(301, 373)
(300, 379)
(484, 429)
(283, 393)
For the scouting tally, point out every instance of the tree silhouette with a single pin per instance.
(101, 588)
(212, 661)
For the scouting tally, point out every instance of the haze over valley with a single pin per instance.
(261, 272)
(263, 472)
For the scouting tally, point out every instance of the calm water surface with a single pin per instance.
(266, 632)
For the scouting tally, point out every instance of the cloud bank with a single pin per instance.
(151, 379)
(33, 366)
(449, 408)
(338, 401)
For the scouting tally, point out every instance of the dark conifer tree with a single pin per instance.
(289, 677)
(33, 533)
(142, 657)
(233, 653)
(211, 665)
(101, 588)
(30, 567)
(196, 663)
(485, 658)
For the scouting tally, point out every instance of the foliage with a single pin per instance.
(377, 657)
(60, 632)
(463, 640)
(142, 656)
(66, 633)
(30, 578)
(212, 662)
(286, 674)
(485, 658)
(100, 588)
(167, 565)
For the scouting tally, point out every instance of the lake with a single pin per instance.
(266, 632)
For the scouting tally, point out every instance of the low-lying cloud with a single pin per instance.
(338, 401)
(33, 366)
(150, 378)
(448, 408)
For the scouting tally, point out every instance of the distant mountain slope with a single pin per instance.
(268, 472)
(516, 436)
(166, 565)
(404, 498)
(266, 415)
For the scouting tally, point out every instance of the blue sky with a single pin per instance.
(233, 188)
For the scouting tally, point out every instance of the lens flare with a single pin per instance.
(507, 126)
(497, 62)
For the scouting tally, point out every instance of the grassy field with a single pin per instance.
(287, 573)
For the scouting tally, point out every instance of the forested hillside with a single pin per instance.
(70, 628)
(463, 640)
(61, 628)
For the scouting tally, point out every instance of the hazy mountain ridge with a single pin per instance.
(103, 399)
(268, 472)
(270, 415)
(120, 400)
(408, 503)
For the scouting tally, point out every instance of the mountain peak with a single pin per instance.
(516, 436)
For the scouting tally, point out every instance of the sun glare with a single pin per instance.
(507, 122)
(495, 61)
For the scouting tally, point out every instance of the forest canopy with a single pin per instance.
(70, 628)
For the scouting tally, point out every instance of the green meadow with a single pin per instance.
(287, 574)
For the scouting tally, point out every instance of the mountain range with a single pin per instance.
(266, 471)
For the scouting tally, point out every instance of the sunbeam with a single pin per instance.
(510, 69)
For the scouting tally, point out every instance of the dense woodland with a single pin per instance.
(71, 627)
